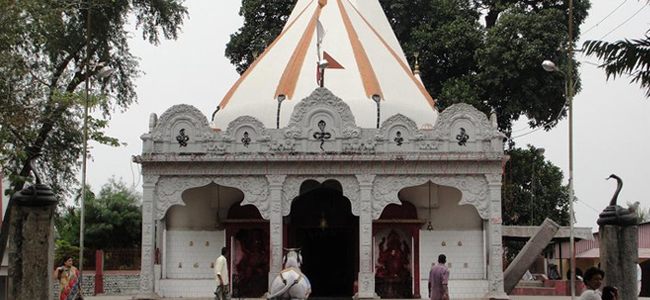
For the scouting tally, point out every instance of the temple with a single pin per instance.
(329, 143)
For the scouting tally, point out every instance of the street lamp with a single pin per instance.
(549, 66)
(101, 71)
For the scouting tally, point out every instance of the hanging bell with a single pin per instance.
(36, 195)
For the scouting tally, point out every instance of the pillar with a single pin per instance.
(366, 277)
(275, 223)
(494, 236)
(147, 278)
(619, 254)
(31, 252)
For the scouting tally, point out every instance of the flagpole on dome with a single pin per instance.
(322, 63)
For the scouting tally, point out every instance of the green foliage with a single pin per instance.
(63, 248)
(625, 57)
(533, 190)
(263, 21)
(495, 66)
(112, 219)
(48, 49)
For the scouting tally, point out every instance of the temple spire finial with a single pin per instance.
(417, 63)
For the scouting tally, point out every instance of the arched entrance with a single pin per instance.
(322, 224)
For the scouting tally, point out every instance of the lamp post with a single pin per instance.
(102, 72)
(549, 66)
(533, 183)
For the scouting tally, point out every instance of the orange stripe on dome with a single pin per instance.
(368, 76)
(289, 79)
(406, 69)
(235, 86)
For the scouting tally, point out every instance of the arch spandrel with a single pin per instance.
(170, 189)
(291, 190)
(474, 190)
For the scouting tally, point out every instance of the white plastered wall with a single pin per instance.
(457, 233)
(192, 242)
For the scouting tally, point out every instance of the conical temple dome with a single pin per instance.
(365, 62)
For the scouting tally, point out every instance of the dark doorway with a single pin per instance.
(322, 224)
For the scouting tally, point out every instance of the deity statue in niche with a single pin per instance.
(393, 267)
(394, 255)
(252, 263)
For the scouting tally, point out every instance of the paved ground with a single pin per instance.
(128, 297)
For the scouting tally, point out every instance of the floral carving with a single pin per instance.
(286, 146)
(357, 146)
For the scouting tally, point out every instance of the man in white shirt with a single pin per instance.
(221, 275)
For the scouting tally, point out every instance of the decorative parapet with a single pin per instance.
(322, 123)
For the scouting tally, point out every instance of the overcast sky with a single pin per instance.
(611, 123)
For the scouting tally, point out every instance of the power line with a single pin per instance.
(630, 18)
(603, 65)
(587, 205)
(605, 18)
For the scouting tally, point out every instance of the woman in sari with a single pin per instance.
(68, 277)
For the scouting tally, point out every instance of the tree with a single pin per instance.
(112, 219)
(532, 192)
(495, 66)
(48, 49)
(624, 57)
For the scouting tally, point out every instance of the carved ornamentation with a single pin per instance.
(429, 145)
(462, 137)
(398, 119)
(246, 140)
(366, 283)
(366, 179)
(258, 127)
(276, 179)
(218, 148)
(287, 146)
(291, 190)
(483, 128)
(153, 121)
(182, 138)
(322, 135)
(322, 98)
(182, 112)
(398, 138)
(494, 178)
(357, 146)
(473, 188)
(255, 189)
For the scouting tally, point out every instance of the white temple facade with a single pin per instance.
(363, 173)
